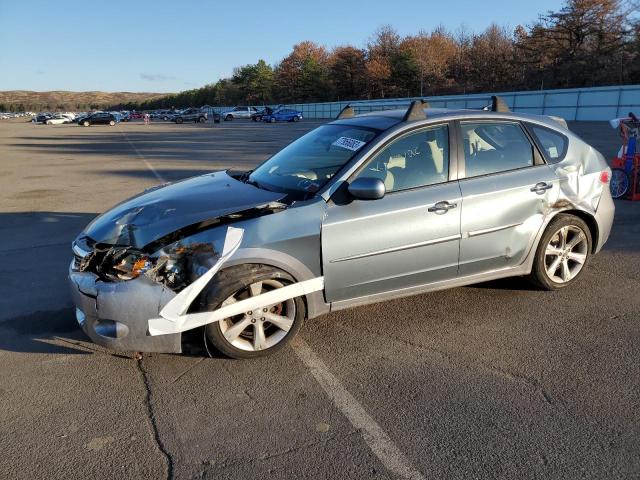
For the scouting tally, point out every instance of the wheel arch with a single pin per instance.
(314, 302)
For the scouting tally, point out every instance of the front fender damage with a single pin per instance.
(174, 317)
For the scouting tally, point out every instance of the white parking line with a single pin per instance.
(142, 157)
(377, 439)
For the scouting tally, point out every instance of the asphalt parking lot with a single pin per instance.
(497, 380)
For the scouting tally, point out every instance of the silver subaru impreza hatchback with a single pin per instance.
(363, 209)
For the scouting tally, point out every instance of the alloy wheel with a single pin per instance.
(263, 327)
(566, 254)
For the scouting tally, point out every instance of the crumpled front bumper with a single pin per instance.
(116, 314)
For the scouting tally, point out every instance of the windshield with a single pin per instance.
(307, 164)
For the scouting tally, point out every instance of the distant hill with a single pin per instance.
(24, 100)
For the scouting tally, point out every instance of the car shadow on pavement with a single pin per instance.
(52, 332)
(36, 313)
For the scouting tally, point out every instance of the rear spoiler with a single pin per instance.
(559, 120)
(499, 105)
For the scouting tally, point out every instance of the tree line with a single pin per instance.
(586, 43)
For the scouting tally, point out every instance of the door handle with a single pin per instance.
(541, 187)
(442, 207)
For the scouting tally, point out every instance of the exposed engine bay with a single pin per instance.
(174, 261)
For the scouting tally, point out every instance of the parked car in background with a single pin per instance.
(239, 112)
(257, 116)
(163, 114)
(190, 115)
(60, 118)
(283, 115)
(98, 118)
(80, 117)
(41, 118)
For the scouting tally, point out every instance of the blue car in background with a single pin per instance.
(283, 115)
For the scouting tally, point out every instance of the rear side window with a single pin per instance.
(492, 147)
(554, 144)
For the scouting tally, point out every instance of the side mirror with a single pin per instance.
(367, 188)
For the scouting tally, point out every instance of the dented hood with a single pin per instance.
(163, 210)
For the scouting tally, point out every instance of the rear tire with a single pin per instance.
(85, 123)
(251, 335)
(202, 120)
(179, 120)
(563, 253)
(112, 123)
(272, 120)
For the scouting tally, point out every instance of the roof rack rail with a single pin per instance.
(416, 111)
(499, 105)
(346, 112)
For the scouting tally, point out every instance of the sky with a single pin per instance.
(169, 46)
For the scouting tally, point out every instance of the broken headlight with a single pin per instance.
(128, 267)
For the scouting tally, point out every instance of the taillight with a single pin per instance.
(605, 176)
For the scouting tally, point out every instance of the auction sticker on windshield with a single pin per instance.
(349, 143)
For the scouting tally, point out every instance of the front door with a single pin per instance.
(506, 193)
(408, 238)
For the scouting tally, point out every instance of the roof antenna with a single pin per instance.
(416, 111)
(499, 105)
(346, 112)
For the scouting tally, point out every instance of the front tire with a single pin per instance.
(563, 253)
(85, 123)
(112, 123)
(202, 120)
(258, 332)
(296, 119)
(228, 118)
(179, 120)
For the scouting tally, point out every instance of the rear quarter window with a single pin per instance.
(553, 144)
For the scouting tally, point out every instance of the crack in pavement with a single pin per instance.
(167, 458)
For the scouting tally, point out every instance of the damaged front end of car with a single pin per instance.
(129, 265)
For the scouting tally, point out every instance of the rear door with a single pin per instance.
(507, 190)
(411, 236)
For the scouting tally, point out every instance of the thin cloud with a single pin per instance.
(156, 77)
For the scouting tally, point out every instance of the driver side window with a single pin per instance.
(414, 160)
